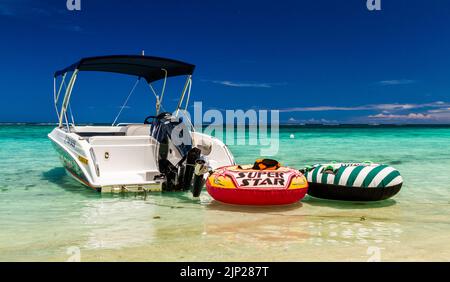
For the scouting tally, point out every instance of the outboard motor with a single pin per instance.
(200, 170)
(176, 156)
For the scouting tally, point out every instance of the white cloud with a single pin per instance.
(393, 107)
(396, 82)
(312, 121)
(435, 115)
(437, 112)
(443, 110)
(370, 107)
(246, 84)
(321, 109)
(411, 116)
(319, 121)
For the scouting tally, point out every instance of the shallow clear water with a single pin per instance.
(47, 216)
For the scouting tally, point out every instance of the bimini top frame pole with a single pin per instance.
(62, 113)
(159, 98)
(186, 89)
(56, 94)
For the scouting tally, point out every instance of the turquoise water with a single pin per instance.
(47, 216)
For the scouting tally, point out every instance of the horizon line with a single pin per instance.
(240, 124)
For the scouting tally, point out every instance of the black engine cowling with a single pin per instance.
(173, 134)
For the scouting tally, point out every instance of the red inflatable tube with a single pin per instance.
(234, 185)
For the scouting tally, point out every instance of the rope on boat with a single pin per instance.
(126, 101)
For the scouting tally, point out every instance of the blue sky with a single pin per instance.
(315, 61)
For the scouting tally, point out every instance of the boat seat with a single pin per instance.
(138, 130)
(91, 134)
(91, 131)
(122, 141)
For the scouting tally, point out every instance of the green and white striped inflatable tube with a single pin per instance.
(353, 181)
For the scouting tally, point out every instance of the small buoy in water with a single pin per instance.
(292, 136)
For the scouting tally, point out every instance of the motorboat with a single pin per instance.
(165, 152)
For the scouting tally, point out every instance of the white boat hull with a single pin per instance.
(124, 162)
